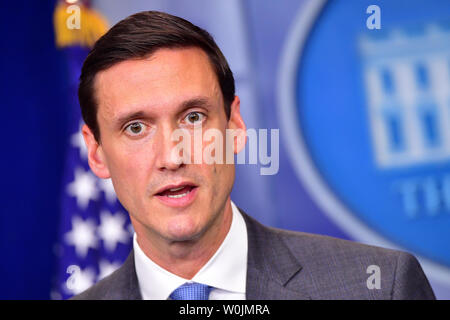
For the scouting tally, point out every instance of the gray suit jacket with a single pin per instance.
(295, 265)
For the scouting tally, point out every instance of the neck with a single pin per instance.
(186, 258)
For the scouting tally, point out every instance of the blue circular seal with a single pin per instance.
(364, 95)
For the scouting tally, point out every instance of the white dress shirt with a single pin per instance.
(226, 271)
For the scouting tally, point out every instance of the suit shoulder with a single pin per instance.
(308, 244)
(316, 244)
(351, 264)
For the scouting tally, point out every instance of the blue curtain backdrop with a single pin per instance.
(34, 130)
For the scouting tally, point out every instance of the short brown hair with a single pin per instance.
(138, 36)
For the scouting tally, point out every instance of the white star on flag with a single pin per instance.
(106, 268)
(111, 230)
(77, 141)
(82, 236)
(107, 187)
(83, 187)
(79, 280)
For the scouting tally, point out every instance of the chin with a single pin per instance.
(183, 229)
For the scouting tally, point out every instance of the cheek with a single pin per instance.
(222, 177)
(129, 175)
(132, 158)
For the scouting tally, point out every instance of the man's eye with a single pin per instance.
(135, 128)
(195, 118)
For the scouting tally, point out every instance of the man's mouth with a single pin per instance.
(179, 195)
(177, 192)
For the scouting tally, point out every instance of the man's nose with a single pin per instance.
(168, 154)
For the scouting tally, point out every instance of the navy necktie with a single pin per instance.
(191, 291)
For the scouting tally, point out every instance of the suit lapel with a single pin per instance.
(133, 292)
(272, 270)
(125, 281)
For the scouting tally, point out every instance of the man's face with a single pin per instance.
(140, 104)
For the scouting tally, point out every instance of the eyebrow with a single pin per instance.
(195, 102)
(190, 103)
(120, 121)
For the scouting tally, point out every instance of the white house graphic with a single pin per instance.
(407, 79)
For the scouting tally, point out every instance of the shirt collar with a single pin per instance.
(226, 270)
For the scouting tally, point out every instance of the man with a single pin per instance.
(154, 74)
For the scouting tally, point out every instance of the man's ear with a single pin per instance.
(237, 125)
(96, 156)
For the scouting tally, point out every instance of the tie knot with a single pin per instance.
(191, 291)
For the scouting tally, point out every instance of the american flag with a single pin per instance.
(95, 230)
(95, 233)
